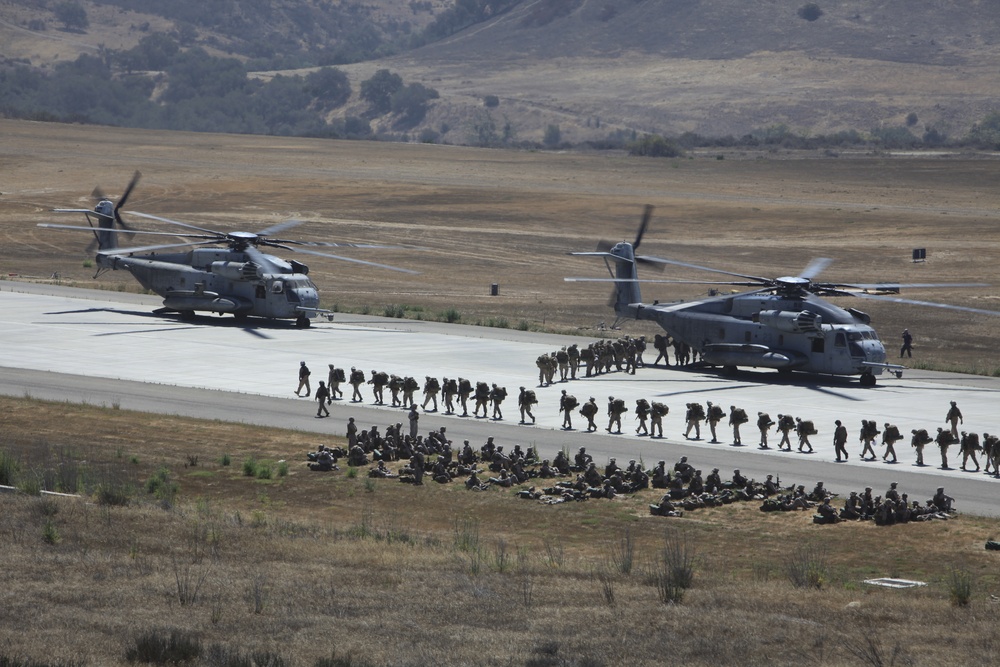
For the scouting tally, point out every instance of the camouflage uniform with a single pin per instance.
(497, 395)
(715, 415)
(567, 403)
(764, 425)
(919, 439)
(656, 414)
(737, 416)
(431, 390)
(590, 410)
(616, 408)
(464, 391)
(525, 399)
(890, 436)
(642, 410)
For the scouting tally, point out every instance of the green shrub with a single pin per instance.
(8, 468)
(225, 460)
(960, 587)
(49, 532)
(250, 467)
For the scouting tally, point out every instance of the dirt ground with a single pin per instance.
(475, 217)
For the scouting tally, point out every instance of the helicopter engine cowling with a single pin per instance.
(802, 321)
(236, 270)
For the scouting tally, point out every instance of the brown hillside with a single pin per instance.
(714, 67)
(719, 66)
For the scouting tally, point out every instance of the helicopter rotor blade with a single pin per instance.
(351, 259)
(897, 286)
(653, 280)
(815, 267)
(932, 304)
(175, 222)
(152, 248)
(643, 226)
(603, 246)
(128, 232)
(659, 260)
(124, 198)
(280, 227)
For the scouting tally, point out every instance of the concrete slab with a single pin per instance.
(115, 336)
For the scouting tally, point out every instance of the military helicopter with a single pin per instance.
(230, 274)
(784, 324)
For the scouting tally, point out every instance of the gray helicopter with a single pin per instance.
(784, 324)
(226, 272)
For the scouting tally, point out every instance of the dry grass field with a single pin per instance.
(489, 216)
(307, 568)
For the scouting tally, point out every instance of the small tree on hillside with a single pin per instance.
(410, 102)
(379, 89)
(329, 86)
(810, 12)
(72, 14)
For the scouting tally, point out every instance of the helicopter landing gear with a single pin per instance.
(867, 379)
(186, 315)
(302, 322)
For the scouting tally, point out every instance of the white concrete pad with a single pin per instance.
(113, 335)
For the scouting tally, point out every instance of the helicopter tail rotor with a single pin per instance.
(121, 202)
(109, 219)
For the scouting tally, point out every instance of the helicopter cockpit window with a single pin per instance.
(278, 287)
(841, 340)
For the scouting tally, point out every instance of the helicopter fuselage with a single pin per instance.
(219, 280)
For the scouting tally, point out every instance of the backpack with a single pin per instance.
(660, 410)
(339, 375)
(529, 397)
(807, 427)
(740, 416)
(589, 409)
(570, 402)
(715, 413)
(618, 406)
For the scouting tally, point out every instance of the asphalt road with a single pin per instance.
(67, 347)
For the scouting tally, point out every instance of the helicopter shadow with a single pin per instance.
(838, 387)
(182, 324)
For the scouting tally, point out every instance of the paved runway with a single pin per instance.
(108, 347)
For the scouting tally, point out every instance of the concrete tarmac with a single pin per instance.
(108, 348)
